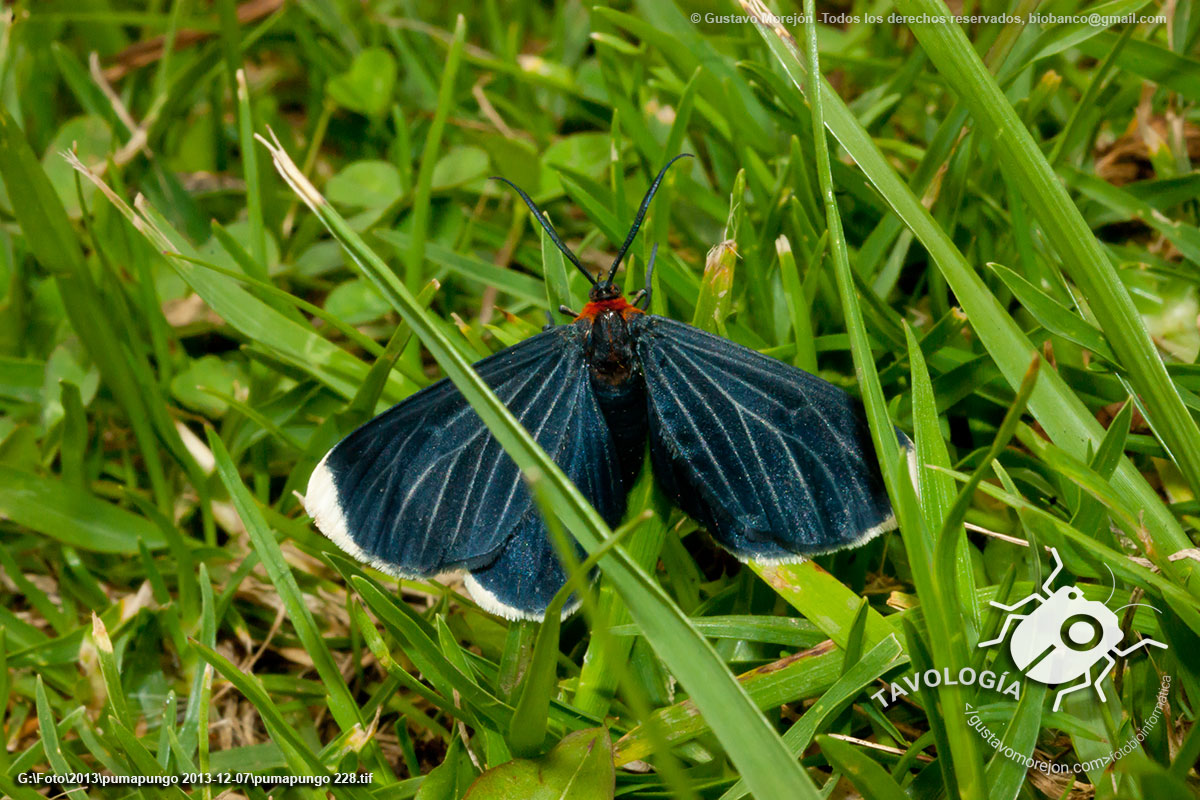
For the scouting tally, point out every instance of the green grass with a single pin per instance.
(989, 233)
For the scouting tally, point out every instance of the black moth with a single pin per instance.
(776, 463)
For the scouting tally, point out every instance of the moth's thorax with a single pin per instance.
(609, 344)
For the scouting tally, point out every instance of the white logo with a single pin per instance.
(1064, 637)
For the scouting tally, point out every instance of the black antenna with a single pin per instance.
(641, 214)
(537, 214)
(643, 295)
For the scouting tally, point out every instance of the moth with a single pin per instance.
(775, 463)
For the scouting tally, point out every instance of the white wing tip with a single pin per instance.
(324, 505)
(488, 601)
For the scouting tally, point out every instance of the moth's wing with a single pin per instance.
(527, 573)
(523, 578)
(777, 463)
(425, 487)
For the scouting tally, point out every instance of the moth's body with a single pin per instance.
(775, 463)
(616, 378)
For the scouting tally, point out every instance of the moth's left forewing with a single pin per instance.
(777, 463)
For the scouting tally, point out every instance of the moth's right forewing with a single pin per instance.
(425, 487)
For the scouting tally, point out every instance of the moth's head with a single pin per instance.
(602, 288)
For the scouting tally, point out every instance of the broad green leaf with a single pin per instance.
(459, 166)
(62, 366)
(580, 767)
(451, 779)
(367, 86)
(586, 151)
(365, 184)
(91, 139)
(194, 386)
(356, 302)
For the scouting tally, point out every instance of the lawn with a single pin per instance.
(230, 234)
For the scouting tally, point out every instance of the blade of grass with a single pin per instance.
(72, 516)
(554, 273)
(1184, 603)
(508, 281)
(50, 741)
(605, 658)
(878, 661)
(1008, 426)
(798, 304)
(936, 491)
(1007, 776)
(791, 679)
(786, 631)
(942, 608)
(362, 406)
(1150, 61)
(527, 731)
(249, 153)
(341, 703)
(1185, 237)
(1053, 316)
(867, 776)
(822, 599)
(109, 671)
(415, 257)
(300, 757)
(424, 652)
(49, 235)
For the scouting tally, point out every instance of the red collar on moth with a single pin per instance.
(618, 304)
